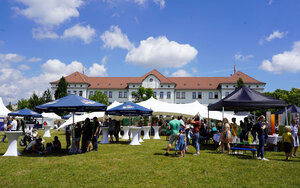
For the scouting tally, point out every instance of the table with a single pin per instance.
(140, 136)
(29, 127)
(12, 137)
(126, 131)
(274, 139)
(104, 139)
(146, 130)
(135, 137)
(47, 131)
(156, 132)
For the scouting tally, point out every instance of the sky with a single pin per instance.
(40, 41)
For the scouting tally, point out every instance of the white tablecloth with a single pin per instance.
(274, 139)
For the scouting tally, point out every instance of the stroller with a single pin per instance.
(29, 136)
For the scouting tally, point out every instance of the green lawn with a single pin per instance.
(121, 165)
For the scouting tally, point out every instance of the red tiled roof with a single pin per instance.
(181, 82)
(75, 78)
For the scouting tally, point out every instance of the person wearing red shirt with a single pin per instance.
(197, 125)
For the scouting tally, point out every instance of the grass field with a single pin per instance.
(121, 165)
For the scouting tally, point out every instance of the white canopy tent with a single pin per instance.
(188, 109)
(50, 115)
(3, 110)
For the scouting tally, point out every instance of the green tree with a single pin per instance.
(47, 96)
(34, 101)
(23, 103)
(240, 83)
(62, 87)
(99, 97)
(142, 94)
(9, 106)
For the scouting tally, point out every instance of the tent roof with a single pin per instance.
(3, 110)
(247, 99)
(290, 109)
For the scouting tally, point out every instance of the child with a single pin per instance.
(287, 141)
(181, 146)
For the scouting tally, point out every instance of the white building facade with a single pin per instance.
(206, 90)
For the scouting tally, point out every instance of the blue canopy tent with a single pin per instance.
(67, 116)
(25, 113)
(72, 103)
(129, 109)
(289, 109)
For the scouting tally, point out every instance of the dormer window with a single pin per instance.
(184, 84)
(210, 84)
(198, 84)
(151, 79)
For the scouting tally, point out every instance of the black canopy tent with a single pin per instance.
(289, 109)
(246, 99)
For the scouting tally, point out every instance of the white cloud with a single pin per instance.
(161, 3)
(140, 2)
(194, 70)
(35, 59)
(104, 60)
(44, 33)
(15, 85)
(275, 35)
(115, 38)
(11, 57)
(50, 12)
(160, 52)
(97, 70)
(85, 33)
(23, 67)
(288, 61)
(240, 57)
(181, 73)
(271, 2)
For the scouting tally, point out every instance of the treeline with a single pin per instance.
(35, 100)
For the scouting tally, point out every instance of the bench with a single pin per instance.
(244, 149)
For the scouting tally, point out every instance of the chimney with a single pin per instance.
(234, 69)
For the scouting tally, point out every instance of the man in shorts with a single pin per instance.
(174, 127)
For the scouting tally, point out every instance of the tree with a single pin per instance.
(142, 94)
(47, 96)
(23, 103)
(240, 83)
(99, 97)
(34, 101)
(62, 87)
(9, 106)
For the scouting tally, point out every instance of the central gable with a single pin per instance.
(151, 81)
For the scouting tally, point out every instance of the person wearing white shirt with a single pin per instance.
(14, 124)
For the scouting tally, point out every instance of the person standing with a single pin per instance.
(260, 127)
(294, 131)
(117, 129)
(174, 132)
(111, 129)
(234, 129)
(196, 133)
(288, 140)
(78, 131)
(7, 127)
(226, 136)
(96, 131)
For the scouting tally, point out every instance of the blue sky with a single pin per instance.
(42, 40)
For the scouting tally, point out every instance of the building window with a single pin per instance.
(125, 94)
(168, 95)
(161, 95)
(161, 86)
(199, 95)
(216, 95)
(177, 95)
(154, 94)
(91, 93)
(120, 94)
(75, 92)
(110, 94)
(80, 93)
(133, 86)
(105, 93)
(80, 85)
(210, 95)
(227, 86)
(183, 95)
(257, 86)
(226, 93)
(194, 95)
(69, 92)
(249, 86)
(151, 80)
(75, 85)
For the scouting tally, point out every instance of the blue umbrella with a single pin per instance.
(129, 109)
(25, 112)
(72, 103)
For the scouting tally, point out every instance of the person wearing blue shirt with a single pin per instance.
(8, 127)
(261, 126)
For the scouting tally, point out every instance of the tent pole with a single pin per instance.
(73, 146)
(208, 118)
(222, 113)
(286, 116)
